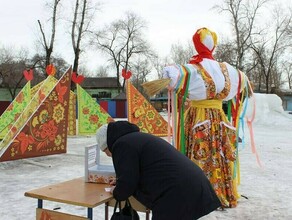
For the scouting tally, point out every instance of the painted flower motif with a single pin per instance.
(43, 116)
(58, 113)
(14, 129)
(61, 90)
(25, 140)
(140, 124)
(42, 95)
(200, 135)
(145, 104)
(150, 115)
(53, 96)
(137, 100)
(58, 140)
(12, 152)
(49, 130)
(93, 119)
(138, 112)
(19, 97)
(45, 216)
(143, 130)
(16, 116)
(85, 111)
(158, 123)
(35, 121)
(149, 128)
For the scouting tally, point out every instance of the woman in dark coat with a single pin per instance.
(156, 174)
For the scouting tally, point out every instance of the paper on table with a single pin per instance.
(107, 189)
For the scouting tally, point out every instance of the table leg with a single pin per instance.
(89, 213)
(147, 214)
(106, 211)
(40, 203)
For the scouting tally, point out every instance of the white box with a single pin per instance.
(94, 171)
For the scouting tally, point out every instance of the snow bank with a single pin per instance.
(268, 109)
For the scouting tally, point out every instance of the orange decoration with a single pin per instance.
(126, 74)
(77, 79)
(28, 74)
(51, 70)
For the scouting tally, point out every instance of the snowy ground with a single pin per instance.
(267, 188)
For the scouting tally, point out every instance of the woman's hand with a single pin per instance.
(112, 181)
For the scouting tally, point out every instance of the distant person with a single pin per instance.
(210, 139)
(156, 174)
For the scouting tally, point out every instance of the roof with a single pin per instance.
(100, 83)
(121, 96)
(164, 98)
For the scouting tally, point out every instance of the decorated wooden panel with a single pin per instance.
(143, 114)
(44, 214)
(42, 127)
(72, 108)
(14, 110)
(35, 101)
(90, 114)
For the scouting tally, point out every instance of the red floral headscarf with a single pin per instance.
(205, 42)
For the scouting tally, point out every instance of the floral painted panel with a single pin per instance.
(44, 125)
(13, 111)
(72, 108)
(72, 114)
(35, 101)
(143, 114)
(45, 214)
(90, 114)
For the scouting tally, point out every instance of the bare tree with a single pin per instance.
(12, 65)
(140, 70)
(122, 41)
(180, 53)
(37, 62)
(158, 64)
(84, 13)
(243, 17)
(102, 71)
(226, 52)
(48, 44)
(287, 69)
(270, 47)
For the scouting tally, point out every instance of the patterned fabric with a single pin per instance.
(13, 111)
(211, 139)
(42, 127)
(143, 114)
(90, 114)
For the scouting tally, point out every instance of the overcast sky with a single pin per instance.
(168, 21)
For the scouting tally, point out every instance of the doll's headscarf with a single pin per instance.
(205, 42)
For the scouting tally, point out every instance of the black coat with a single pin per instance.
(157, 175)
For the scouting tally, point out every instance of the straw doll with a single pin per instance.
(202, 131)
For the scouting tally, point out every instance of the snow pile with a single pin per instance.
(268, 109)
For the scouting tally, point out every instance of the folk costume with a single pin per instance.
(202, 131)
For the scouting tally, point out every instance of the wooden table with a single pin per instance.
(74, 192)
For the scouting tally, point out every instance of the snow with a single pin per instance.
(267, 188)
